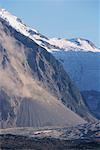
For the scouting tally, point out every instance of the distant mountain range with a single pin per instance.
(35, 89)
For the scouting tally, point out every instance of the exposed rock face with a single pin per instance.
(31, 76)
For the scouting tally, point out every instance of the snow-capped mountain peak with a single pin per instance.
(86, 44)
(76, 44)
(55, 44)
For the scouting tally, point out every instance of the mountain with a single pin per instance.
(84, 57)
(77, 53)
(81, 59)
(35, 90)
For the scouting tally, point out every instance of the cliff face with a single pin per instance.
(31, 76)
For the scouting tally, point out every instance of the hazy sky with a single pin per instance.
(59, 18)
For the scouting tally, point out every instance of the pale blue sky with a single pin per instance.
(59, 18)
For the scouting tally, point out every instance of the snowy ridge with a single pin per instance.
(77, 44)
(17, 24)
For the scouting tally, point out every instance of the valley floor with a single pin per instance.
(13, 142)
(80, 137)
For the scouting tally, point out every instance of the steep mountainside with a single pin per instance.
(34, 88)
(78, 53)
